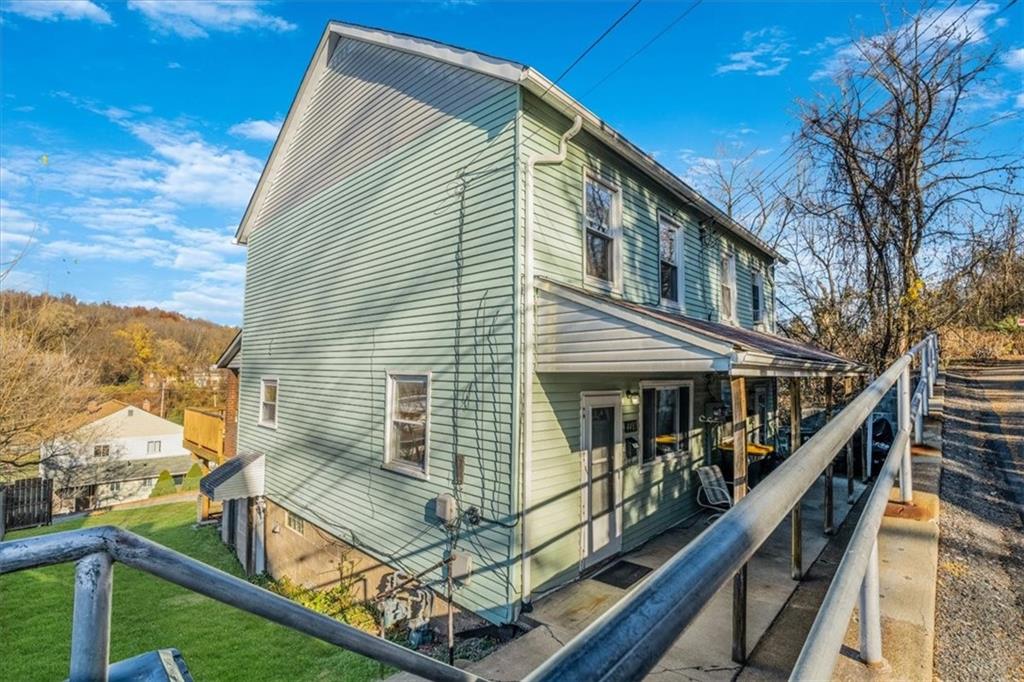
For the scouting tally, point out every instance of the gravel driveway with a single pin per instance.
(980, 600)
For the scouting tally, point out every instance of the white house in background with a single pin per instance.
(115, 454)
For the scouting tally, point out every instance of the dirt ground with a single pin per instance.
(980, 600)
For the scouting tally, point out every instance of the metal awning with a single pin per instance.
(237, 478)
(580, 331)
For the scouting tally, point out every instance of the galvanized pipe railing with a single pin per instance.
(96, 548)
(628, 640)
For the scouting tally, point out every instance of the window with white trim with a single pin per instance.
(101, 451)
(294, 522)
(600, 241)
(408, 422)
(153, 447)
(268, 402)
(666, 410)
(727, 294)
(670, 259)
(757, 298)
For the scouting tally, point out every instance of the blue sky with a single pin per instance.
(133, 133)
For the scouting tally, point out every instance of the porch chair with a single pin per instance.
(713, 493)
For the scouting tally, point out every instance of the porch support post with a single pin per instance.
(829, 524)
(847, 394)
(738, 386)
(796, 569)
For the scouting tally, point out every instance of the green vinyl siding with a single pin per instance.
(559, 233)
(371, 256)
(655, 496)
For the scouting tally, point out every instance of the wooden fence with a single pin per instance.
(27, 503)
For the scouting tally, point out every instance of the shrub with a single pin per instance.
(164, 485)
(191, 480)
(336, 602)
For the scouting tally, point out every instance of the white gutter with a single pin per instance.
(532, 161)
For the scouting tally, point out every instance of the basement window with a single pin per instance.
(408, 423)
(294, 522)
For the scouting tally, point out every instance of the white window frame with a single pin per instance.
(728, 270)
(757, 308)
(277, 402)
(615, 233)
(679, 305)
(398, 465)
(150, 449)
(292, 519)
(668, 384)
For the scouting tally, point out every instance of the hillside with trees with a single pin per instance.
(59, 353)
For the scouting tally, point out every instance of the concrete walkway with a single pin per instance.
(704, 651)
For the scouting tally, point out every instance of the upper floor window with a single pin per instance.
(601, 211)
(268, 403)
(101, 451)
(671, 261)
(727, 278)
(408, 422)
(757, 298)
(153, 447)
(667, 413)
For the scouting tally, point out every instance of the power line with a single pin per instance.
(594, 44)
(643, 47)
(775, 169)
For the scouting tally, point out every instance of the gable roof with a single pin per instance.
(502, 69)
(124, 420)
(227, 358)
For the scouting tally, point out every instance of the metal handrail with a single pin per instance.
(96, 548)
(625, 642)
(628, 640)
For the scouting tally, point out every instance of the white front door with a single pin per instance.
(601, 449)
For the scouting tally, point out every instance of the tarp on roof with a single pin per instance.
(581, 331)
(239, 477)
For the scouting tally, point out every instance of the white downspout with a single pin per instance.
(532, 161)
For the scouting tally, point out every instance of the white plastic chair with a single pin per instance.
(714, 490)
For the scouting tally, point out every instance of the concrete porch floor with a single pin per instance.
(704, 651)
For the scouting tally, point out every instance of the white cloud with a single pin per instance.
(173, 65)
(255, 129)
(1014, 59)
(55, 10)
(197, 18)
(959, 24)
(764, 53)
(1018, 102)
(18, 229)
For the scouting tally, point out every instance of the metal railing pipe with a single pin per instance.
(821, 649)
(55, 548)
(90, 622)
(903, 419)
(135, 551)
(628, 640)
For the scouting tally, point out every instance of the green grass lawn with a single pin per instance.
(217, 641)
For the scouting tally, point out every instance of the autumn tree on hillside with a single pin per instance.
(42, 385)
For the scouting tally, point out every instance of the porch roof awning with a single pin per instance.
(239, 477)
(580, 331)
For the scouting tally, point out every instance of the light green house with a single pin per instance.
(439, 301)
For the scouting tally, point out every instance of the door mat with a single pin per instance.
(622, 574)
